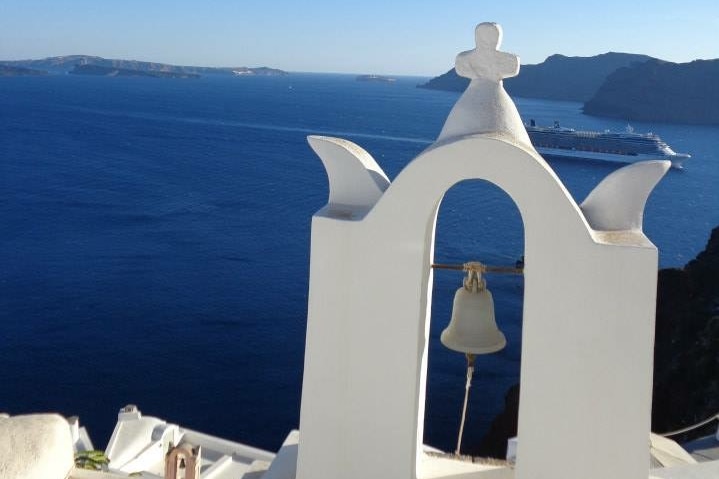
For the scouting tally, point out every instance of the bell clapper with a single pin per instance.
(470, 372)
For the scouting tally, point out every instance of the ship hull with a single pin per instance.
(677, 160)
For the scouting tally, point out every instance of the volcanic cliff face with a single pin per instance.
(686, 355)
(660, 91)
(686, 352)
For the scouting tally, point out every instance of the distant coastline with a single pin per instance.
(92, 65)
(97, 70)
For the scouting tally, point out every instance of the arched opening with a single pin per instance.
(477, 221)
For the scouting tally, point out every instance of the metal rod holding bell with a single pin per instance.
(473, 329)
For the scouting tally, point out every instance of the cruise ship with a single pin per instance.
(625, 147)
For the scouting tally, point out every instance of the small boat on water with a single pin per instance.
(626, 147)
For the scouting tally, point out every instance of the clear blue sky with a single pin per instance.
(371, 36)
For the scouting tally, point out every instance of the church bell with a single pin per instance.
(473, 329)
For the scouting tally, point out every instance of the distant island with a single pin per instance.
(375, 78)
(619, 85)
(260, 71)
(92, 65)
(97, 70)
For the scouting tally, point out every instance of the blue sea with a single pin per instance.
(154, 242)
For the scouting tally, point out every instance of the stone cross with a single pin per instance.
(485, 61)
(485, 107)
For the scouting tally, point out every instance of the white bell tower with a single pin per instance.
(589, 304)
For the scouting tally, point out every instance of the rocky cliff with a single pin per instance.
(686, 351)
(660, 91)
